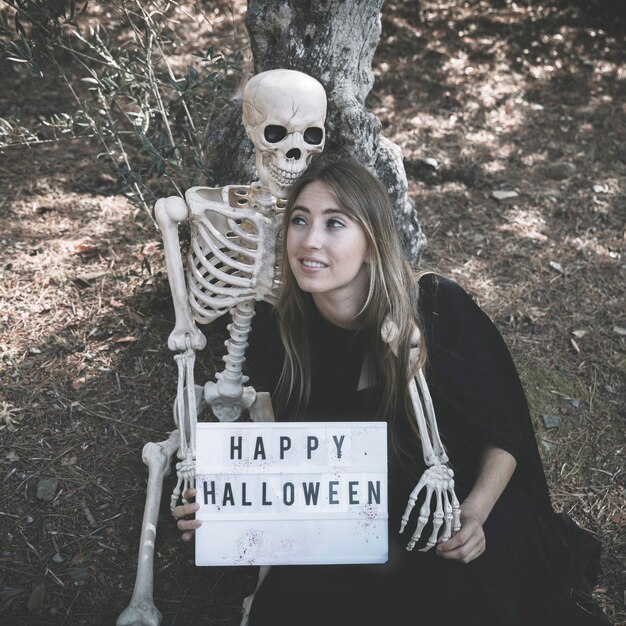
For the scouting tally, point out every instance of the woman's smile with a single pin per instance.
(312, 264)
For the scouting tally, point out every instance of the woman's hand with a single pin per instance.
(468, 543)
(495, 470)
(182, 513)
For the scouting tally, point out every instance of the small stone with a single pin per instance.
(546, 445)
(78, 575)
(504, 194)
(34, 351)
(575, 403)
(551, 421)
(430, 162)
(58, 558)
(600, 188)
(560, 170)
(47, 489)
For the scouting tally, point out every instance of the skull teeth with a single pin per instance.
(283, 177)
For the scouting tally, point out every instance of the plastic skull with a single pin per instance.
(284, 113)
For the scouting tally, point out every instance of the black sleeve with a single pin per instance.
(475, 386)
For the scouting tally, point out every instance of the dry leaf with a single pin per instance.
(77, 558)
(575, 346)
(85, 248)
(579, 334)
(78, 383)
(620, 330)
(150, 248)
(89, 276)
(37, 596)
(116, 304)
(133, 315)
(127, 339)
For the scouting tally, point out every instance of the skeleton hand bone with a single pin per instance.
(438, 481)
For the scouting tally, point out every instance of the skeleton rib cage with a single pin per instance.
(233, 254)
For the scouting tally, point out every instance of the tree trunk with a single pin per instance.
(333, 41)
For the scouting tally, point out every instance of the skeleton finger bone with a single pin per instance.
(456, 509)
(411, 503)
(447, 515)
(437, 523)
(437, 480)
(422, 518)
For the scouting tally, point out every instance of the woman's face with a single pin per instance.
(327, 250)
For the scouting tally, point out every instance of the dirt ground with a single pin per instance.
(481, 97)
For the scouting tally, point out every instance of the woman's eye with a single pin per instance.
(335, 223)
(297, 220)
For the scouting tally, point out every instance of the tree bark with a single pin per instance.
(333, 41)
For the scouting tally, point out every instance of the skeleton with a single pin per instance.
(232, 263)
(438, 479)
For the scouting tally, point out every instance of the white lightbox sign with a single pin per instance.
(298, 493)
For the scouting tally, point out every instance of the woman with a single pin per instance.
(513, 561)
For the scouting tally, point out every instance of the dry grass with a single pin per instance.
(496, 96)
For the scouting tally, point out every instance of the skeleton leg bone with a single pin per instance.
(142, 611)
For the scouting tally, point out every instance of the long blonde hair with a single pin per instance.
(392, 291)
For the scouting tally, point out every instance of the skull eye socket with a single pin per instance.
(313, 135)
(274, 134)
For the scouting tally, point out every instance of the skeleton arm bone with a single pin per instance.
(433, 452)
(438, 479)
(495, 470)
(169, 213)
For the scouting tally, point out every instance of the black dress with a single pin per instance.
(538, 567)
